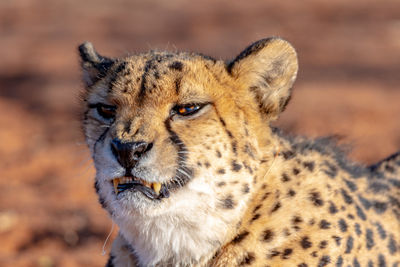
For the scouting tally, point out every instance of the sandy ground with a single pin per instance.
(348, 85)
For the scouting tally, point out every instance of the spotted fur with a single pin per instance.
(237, 192)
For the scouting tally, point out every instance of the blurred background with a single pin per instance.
(348, 84)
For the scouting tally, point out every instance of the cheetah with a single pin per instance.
(192, 172)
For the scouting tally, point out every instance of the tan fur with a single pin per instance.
(248, 195)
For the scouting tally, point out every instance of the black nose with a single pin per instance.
(128, 153)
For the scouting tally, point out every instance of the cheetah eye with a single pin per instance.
(186, 110)
(105, 111)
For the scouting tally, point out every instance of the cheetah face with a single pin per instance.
(169, 131)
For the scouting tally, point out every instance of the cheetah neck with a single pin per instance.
(188, 235)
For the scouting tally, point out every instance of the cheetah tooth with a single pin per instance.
(156, 187)
(116, 182)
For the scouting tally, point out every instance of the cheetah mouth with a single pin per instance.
(132, 184)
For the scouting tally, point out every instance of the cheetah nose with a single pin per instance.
(129, 153)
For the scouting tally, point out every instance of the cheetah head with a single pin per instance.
(181, 135)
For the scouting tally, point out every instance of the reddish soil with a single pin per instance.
(348, 85)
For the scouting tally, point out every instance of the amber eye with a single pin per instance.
(186, 110)
(105, 111)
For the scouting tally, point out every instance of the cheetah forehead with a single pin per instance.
(160, 76)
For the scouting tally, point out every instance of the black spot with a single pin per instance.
(287, 154)
(296, 171)
(323, 244)
(176, 65)
(245, 188)
(347, 198)
(302, 265)
(350, 216)
(273, 253)
(325, 260)
(207, 164)
(240, 237)
(314, 254)
(342, 225)
(248, 149)
(221, 171)
(370, 239)
(220, 184)
(370, 263)
(177, 85)
(235, 166)
(255, 217)
(331, 171)
(332, 208)
(248, 259)
(381, 261)
(358, 229)
(120, 67)
(285, 178)
(309, 165)
(228, 202)
(286, 253)
(361, 213)
(339, 262)
(296, 228)
(392, 246)
(234, 147)
(257, 208)
(365, 202)
(265, 196)
(229, 133)
(380, 207)
(291, 193)
(356, 263)
(305, 243)
(267, 236)
(324, 224)
(381, 230)
(218, 154)
(394, 182)
(315, 198)
(297, 220)
(276, 207)
(349, 244)
(248, 168)
(389, 168)
(352, 186)
(377, 187)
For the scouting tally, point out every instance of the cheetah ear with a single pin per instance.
(268, 68)
(94, 66)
